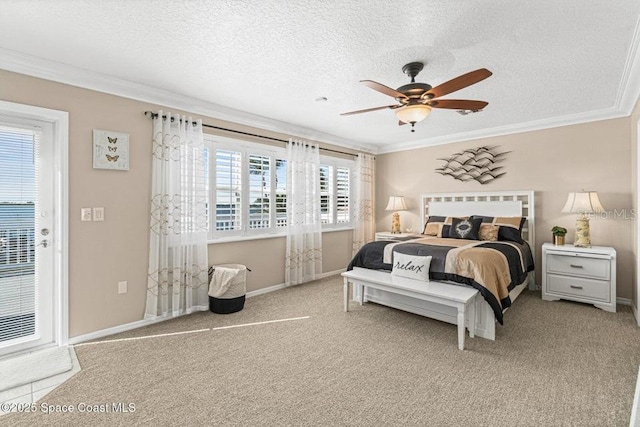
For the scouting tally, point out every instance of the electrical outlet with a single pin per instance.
(98, 214)
(85, 214)
(122, 287)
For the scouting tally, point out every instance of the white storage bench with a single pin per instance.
(460, 297)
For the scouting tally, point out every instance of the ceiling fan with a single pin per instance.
(417, 99)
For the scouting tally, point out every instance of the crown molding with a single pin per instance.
(626, 98)
(553, 122)
(629, 89)
(62, 73)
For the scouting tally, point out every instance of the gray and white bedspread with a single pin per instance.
(493, 268)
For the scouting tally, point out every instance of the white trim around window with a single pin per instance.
(340, 191)
(233, 216)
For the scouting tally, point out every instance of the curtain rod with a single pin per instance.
(153, 115)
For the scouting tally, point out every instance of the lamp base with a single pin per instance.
(395, 223)
(583, 236)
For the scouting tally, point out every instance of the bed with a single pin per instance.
(447, 252)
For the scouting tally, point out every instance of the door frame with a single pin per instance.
(60, 122)
(635, 302)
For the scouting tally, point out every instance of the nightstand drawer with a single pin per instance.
(580, 274)
(579, 287)
(597, 268)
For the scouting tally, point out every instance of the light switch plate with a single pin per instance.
(98, 214)
(85, 214)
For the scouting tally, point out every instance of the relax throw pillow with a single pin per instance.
(411, 266)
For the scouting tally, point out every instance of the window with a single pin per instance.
(343, 193)
(18, 198)
(335, 192)
(326, 194)
(249, 181)
(259, 191)
(228, 189)
(281, 193)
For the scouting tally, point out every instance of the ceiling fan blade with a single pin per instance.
(369, 109)
(457, 104)
(458, 83)
(383, 89)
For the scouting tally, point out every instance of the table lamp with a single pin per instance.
(396, 204)
(582, 203)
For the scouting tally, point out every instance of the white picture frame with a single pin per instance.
(110, 150)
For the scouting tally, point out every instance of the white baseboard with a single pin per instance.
(116, 329)
(282, 285)
(266, 290)
(624, 301)
(330, 273)
(146, 322)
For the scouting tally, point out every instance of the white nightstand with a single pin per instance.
(579, 274)
(387, 235)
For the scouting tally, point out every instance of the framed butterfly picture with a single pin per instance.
(110, 150)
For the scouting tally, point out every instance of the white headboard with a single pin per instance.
(494, 203)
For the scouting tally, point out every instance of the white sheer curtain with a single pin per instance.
(177, 282)
(363, 213)
(304, 230)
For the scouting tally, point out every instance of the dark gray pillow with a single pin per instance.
(510, 227)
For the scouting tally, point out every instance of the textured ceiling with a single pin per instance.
(272, 58)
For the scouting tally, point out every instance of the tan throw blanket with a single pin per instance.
(492, 267)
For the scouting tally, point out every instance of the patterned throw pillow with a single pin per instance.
(462, 228)
(434, 225)
(411, 266)
(438, 226)
(489, 232)
(510, 226)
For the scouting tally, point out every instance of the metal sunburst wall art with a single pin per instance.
(474, 164)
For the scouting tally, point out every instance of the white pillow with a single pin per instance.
(411, 266)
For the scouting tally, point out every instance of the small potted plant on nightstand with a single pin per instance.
(558, 235)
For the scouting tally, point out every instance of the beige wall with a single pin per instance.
(634, 129)
(103, 253)
(552, 162)
(266, 257)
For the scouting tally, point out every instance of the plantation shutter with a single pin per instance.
(259, 191)
(326, 194)
(18, 197)
(228, 190)
(343, 189)
(281, 193)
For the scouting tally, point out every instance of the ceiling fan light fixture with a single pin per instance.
(413, 113)
(417, 99)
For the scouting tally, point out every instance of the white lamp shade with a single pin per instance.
(583, 202)
(396, 203)
(413, 113)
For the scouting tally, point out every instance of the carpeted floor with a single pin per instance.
(552, 364)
